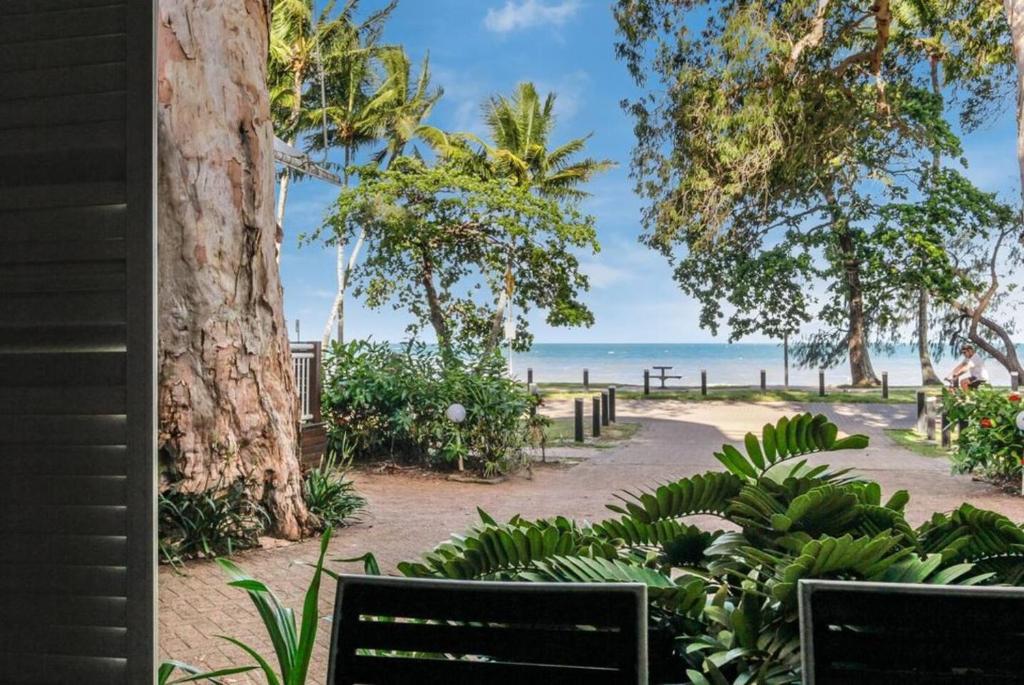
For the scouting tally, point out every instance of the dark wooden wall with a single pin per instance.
(77, 379)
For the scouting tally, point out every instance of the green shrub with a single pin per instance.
(330, 496)
(990, 443)
(391, 403)
(729, 598)
(207, 524)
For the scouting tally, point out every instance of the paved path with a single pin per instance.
(409, 514)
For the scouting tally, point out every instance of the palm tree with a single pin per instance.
(520, 127)
(304, 46)
(372, 98)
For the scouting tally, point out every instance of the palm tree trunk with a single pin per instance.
(227, 401)
(338, 305)
(282, 198)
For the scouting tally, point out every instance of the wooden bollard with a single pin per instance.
(595, 426)
(947, 439)
(611, 403)
(821, 383)
(586, 379)
(922, 411)
(647, 381)
(930, 424)
(764, 380)
(604, 408)
(579, 418)
(704, 382)
(529, 376)
(1014, 381)
(885, 385)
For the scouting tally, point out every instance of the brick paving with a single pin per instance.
(408, 514)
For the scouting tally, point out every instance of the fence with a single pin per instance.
(306, 360)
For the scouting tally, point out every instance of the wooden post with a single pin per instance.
(821, 382)
(921, 411)
(579, 418)
(316, 366)
(596, 422)
(704, 382)
(604, 408)
(930, 424)
(764, 380)
(647, 382)
(947, 439)
(611, 403)
(1014, 381)
(885, 385)
(529, 376)
(586, 379)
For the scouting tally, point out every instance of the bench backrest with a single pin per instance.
(889, 632)
(444, 631)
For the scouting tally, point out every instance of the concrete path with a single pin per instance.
(409, 514)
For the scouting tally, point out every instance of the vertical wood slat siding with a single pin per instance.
(77, 341)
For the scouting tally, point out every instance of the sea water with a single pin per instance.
(735, 364)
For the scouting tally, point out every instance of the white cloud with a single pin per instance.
(528, 13)
(603, 275)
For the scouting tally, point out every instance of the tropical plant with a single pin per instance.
(168, 669)
(330, 496)
(385, 402)
(520, 127)
(989, 442)
(222, 520)
(729, 598)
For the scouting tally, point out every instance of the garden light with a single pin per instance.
(456, 413)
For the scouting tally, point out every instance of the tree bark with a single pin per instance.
(1015, 18)
(928, 375)
(227, 405)
(862, 374)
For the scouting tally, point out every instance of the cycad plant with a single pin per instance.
(729, 597)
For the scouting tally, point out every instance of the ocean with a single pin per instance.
(736, 364)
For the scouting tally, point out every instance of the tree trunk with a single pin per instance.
(1015, 17)
(862, 374)
(928, 375)
(227, 404)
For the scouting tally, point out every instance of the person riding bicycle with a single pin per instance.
(971, 371)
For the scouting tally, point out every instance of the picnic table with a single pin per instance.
(663, 374)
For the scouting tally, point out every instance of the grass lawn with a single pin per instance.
(561, 433)
(908, 438)
(901, 395)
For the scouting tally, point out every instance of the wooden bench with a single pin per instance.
(663, 374)
(447, 631)
(854, 632)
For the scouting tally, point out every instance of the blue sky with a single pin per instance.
(481, 47)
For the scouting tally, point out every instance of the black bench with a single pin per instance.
(853, 632)
(398, 630)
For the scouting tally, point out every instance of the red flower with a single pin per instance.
(986, 422)
(1015, 397)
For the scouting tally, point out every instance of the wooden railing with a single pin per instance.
(306, 361)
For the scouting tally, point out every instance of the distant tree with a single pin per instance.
(774, 131)
(440, 239)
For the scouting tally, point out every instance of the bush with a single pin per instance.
(990, 443)
(330, 496)
(384, 402)
(207, 524)
(728, 600)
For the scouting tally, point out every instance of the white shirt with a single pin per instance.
(975, 368)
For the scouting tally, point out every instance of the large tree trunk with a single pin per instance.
(928, 375)
(1015, 17)
(227, 398)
